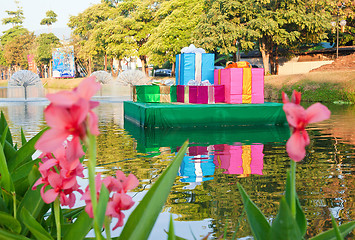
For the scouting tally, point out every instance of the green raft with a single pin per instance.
(179, 115)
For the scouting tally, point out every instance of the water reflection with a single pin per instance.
(205, 197)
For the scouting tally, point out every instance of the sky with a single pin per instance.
(35, 10)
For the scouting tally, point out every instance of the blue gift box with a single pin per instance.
(194, 66)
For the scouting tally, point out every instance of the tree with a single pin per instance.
(44, 46)
(178, 20)
(83, 25)
(15, 17)
(267, 25)
(51, 17)
(16, 51)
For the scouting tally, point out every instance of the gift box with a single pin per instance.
(243, 160)
(194, 66)
(154, 93)
(200, 94)
(242, 85)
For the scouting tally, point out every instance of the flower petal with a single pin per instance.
(63, 98)
(49, 196)
(93, 123)
(88, 87)
(295, 147)
(317, 112)
(294, 113)
(51, 140)
(57, 117)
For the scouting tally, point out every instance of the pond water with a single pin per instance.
(205, 198)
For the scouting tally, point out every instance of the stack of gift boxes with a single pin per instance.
(197, 81)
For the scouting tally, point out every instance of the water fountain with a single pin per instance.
(25, 84)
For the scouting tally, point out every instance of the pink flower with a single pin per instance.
(298, 118)
(295, 98)
(69, 114)
(119, 200)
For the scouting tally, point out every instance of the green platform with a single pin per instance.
(151, 139)
(171, 115)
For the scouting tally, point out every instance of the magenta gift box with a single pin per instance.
(232, 78)
(200, 94)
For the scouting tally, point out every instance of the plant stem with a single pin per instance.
(57, 217)
(107, 228)
(293, 188)
(91, 170)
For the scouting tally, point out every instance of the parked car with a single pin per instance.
(162, 73)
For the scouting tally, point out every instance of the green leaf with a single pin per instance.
(3, 125)
(101, 206)
(336, 229)
(171, 233)
(72, 213)
(33, 202)
(80, 228)
(23, 170)
(3, 136)
(142, 219)
(5, 235)
(284, 226)
(257, 221)
(23, 137)
(300, 216)
(35, 227)
(344, 229)
(6, 181)
(25, 152)
(10, 222)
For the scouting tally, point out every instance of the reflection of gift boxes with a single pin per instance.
(154, 93)
(246, 159)
(242, 85)
(194, 66)
(200, 94)
(197, 168)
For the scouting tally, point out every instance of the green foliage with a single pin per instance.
(45, 44)
(15, 17)
(51, 17)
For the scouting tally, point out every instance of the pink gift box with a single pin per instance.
(232, 78)
(231, 158)
(200, 94)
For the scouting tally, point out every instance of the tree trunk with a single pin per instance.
(144, 64)
(234, 57)
(173, 70)
(106, 63)
(266, 57)
(277, 61)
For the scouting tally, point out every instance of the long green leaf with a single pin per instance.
(3, 136)
(6, 181)
(257, 221)
(344, 229)
(35, 227)
(25, 152)
(23, 170)
(33, 202)
(6, 235)
(284, 226)
(10, 222)
(23, 138)
(101, 206)
(3, 125)
(80, 228)
(336, 229)
(171, 233)
(142, 219)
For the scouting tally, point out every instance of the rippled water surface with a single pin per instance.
(204, 198)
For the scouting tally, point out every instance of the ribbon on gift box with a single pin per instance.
(246, 98)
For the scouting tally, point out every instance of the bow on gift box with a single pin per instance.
(242, 64)
(192, 49)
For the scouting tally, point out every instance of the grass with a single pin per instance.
(335, 86)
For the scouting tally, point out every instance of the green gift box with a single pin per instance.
(154, 93)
